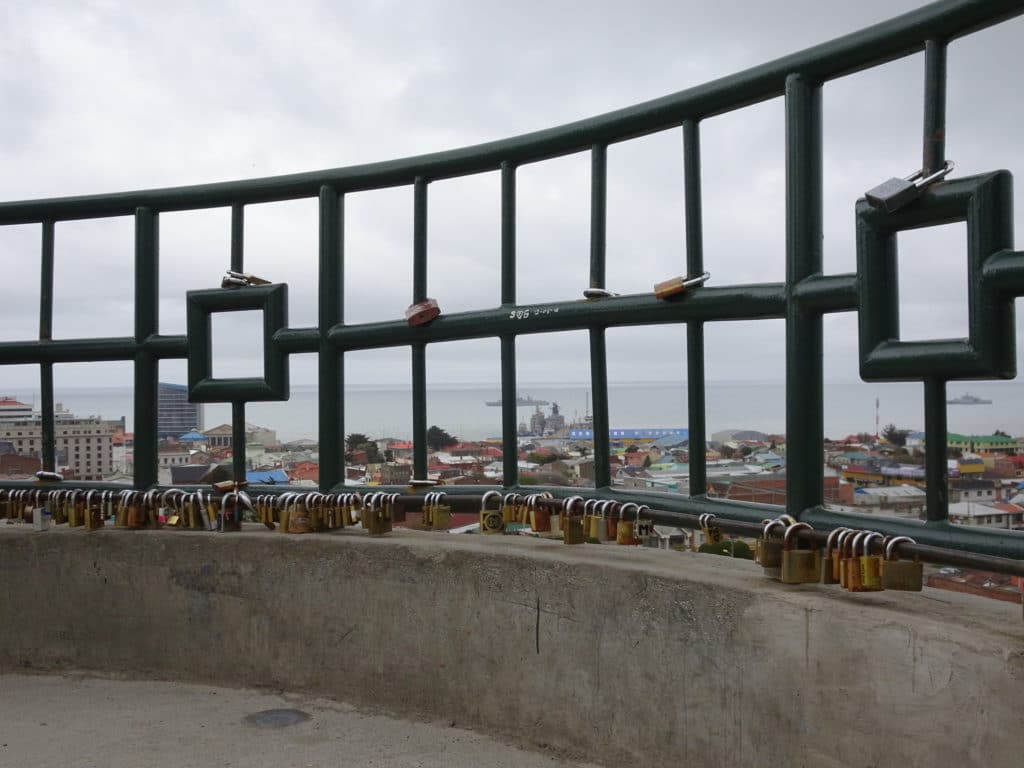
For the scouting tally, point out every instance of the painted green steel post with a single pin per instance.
(599, 386)
(935, 436)
(805, 421)
(238, 237)
(598, 213)
(695, 329)
(419, 348)
(238, 441)
(934, 152)
(147, 305)
(509, 420)
(49, 449)
(331, 363)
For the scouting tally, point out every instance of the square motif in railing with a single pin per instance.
(202, 387)
(985, 203)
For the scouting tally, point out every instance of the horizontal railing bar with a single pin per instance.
(828, 293)
(298, 340)
(167, 347)
(878, 44)
(68, 350)
(740, 302)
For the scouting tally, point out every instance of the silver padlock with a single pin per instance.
(895, 193)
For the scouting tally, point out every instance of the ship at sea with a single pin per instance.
(968, 399)
(520, 401)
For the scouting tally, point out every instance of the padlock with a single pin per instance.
(540, 516)
(442, 518)
(643, 527)
(771, 550)
(851, 561)
(896, 193)
(588, 513)
(298, 514)
(598, 523)
(677, 285)
(712, 533)
(830, 562)
(74, 510)
(625, 529)
(902, 575)
(870, 565)
(572, 521)
(522, 511)
(799, 566)
(380, 513)
(491, 520)
(508, 510)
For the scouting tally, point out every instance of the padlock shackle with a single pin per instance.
(771, 524)
(787, 537)
(891, 544)
(833, 536)
(866, 544)
(487, 497)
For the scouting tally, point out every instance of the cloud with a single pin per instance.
(104, 96)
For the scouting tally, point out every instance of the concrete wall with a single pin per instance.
(615, 654)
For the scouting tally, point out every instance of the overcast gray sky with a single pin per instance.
(103, 96)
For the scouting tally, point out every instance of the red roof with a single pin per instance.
(401, 446)
(9, 401)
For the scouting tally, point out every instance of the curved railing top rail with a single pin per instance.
(886, 41)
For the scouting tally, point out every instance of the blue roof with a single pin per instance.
(267, 477)
(193, 436)
(635, 434)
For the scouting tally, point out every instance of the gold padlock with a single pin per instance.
(830, 562)
(572, 526)
(442, 518)
(625, 528)
(901, 575)
(508, 509)
(540, 515)
(799, 566)
(870, 565)
(851, 561)
(491, 520)
(771, 550)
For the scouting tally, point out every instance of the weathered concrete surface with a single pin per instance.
(90, 723)
(610, 653)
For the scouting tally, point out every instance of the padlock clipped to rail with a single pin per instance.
(896, 193)
(901, 575)
(491, 520)
(676, 285)
(572, 521)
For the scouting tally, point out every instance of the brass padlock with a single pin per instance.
(712, 533)
(830, 563)
(540, 515)
(298, 514)
(442, 517)
(902, 575)
(379, 513)
(491, 520)
(572, 525)
(851, 561)
(870, 565)
(799, 566)
(508, 509)
(771, 550)
(75, 515)
(643, 527)
(598, 523)
(625, 529)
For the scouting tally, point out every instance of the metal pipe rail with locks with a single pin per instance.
(984, 201)
(16, 505)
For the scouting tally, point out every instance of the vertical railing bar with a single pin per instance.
(331, 371)
(695, 379)
(805, 420)
(147, 273)
(598, 213)
(238, 440)
(238, 237)
(509, 420)
(934, 146)
(935, 468)
(49, 448)
(599, 387)
(598, 349)
(419, 348)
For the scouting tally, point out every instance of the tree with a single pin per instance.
(647, 460)
(542, 458)
(438, 439)
(894, 436)
(727, 451)
(999, 433)
(633, 448)
(357, 441)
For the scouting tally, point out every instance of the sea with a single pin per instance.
(386, 411)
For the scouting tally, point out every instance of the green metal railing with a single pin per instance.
(996, 276)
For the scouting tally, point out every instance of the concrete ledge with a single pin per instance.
(613, 654)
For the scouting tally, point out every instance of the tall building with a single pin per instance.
(85, 443)
(175, 414)
(12, 410)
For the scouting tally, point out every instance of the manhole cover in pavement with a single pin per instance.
(276, 718)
